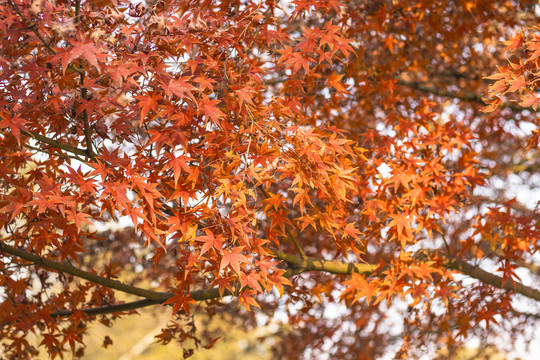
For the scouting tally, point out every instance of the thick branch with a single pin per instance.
(56, 144)
(298, 264)
(151, 297)
(96, 279)
(341, 268)
(77, 10)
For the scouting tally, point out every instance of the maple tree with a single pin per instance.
(293, 156)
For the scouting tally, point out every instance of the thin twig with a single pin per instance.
(32, 26)
(289, 234)
(87, 131)
(461, 95)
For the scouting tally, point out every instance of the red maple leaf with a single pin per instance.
(233, 258)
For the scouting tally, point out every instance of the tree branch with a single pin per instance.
(198, 295)
(77, 10)
(494, 280)
(329, 266)
(462, 95)
(87, 131)
(298, 264)
(109, 309)
(510, 203)
(56, 144)
(96, 279)
(342, 268)
(34, 29)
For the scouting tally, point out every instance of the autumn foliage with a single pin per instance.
(367, 169)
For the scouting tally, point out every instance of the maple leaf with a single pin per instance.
(178, 164)
(14, 123)
(531, 100)
(180, 301)
(223, 283)
(78, 218)
(514, 43)
(233, 259)
(403, 226)
(445, 291)
(251, 280)
(181, 88)
(86, 50)
(352, 231)
(245, 95)
(14, 206)
(360, 288)
(334, 81)
(205, 83)
(120, 71)
(516, 84)
(212, 112)
(210, 241)
(278, 280)
(416, 195)
(246, 299)
(147, 102)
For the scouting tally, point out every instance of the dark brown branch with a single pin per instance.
(77, 10)
(96, 279)
(56, 144)
(109, 309)
(198, 295)
(298, 265)
(87, 131)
